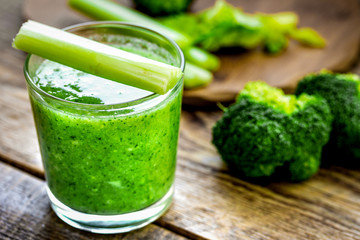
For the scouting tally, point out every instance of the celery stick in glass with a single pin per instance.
(96, 58)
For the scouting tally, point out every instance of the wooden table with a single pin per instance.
(209, 203)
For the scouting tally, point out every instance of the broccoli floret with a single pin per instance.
(269, 134)
(342, 93)
(162, 8)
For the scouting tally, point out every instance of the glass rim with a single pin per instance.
(134, 102)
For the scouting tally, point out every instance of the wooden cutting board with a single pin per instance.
(337, 20)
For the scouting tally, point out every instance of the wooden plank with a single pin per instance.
(11, 60)
(215, 205)
(195, 138)
(332, 18)
(10, 21)
(356, 68)
(25, 213)
(18, 137)
(211, 204)
(11, 67)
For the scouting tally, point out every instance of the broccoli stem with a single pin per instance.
(108, 10)
(96, 58)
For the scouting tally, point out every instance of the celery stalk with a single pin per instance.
(309, 37)
(96, 58)
(202, 58)
(196, 77)
(108, 10)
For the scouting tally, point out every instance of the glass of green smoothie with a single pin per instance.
(108, 149)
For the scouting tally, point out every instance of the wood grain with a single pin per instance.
(11, 60)
(219, 206)
(25, 213)
(11, 67)
(356, 68)
(10, 21)
(337, 21)
(18, 137)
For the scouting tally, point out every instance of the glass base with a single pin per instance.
(108, 224)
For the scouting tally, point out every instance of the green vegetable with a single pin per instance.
(196, 77)
(342, 92)
(217, 27)
(267, 134)
(162, 8)
(308, 36)
(96, 58)
(275, 30)
(202, 58)
(224, 25)
(108, 10)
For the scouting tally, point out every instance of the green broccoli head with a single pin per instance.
(269, 134)
(162, 8)
(342, 93)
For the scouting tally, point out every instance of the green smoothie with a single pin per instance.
(114, 160)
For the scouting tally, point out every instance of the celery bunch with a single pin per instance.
(224, 25)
